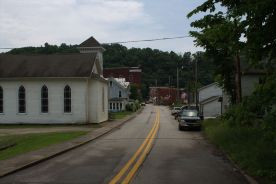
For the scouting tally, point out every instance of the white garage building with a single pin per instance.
(209, 96)
(54, 88)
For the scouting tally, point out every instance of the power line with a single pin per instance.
(134, 41)
(149, 40)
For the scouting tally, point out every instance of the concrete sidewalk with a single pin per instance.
(29, 159)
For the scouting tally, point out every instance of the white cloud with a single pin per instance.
(33, 22)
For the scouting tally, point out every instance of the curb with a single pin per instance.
(248, 178)
(30, 164)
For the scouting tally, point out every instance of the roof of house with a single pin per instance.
(209, 85)
(122, 81)
(253, 71)
(119, 84)
(211, 99)
(90, 42)
(42, 65)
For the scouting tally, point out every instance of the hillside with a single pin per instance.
(158, 67)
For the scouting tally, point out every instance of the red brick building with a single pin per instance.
(166, 95)
(131, 74)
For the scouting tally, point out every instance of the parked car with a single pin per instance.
(185, 107)
(189, 118)
(175, 110)
(143, 104)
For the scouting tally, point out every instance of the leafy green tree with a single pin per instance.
(247, 26)
(133, 92)
(220, 36)
(47, 49)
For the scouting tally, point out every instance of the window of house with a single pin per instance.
(44, 99)
(67, 99)
(110, 106)
(21, 100)
(103, 101)
(121, 106)
(117, 104)
(110, 83)
(130, 78)
(120, 94)
(114, 106)
(261, 80)
(1, 100)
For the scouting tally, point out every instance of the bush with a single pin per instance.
(128, 107)
(133, 106)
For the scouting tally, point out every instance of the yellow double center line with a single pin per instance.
(143, 150)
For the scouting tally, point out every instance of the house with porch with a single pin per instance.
(118, 95)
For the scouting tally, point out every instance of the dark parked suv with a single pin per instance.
(185, 107)
(189, 118)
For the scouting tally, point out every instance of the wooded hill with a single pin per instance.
(158, 67)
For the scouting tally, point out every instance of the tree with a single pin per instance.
(134, 92)
(220, 36)
(221, 33)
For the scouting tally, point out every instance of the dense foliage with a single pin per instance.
(47, 49)
(246, 26)
(159, 67)
(246, 146)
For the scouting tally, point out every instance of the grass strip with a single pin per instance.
(120, 115)
(16, 126)
(30, 142)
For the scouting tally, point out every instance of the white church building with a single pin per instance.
(54, 88)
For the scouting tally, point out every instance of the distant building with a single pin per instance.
(118, 95)
(166, 95)
(131, 74)
(54, 88)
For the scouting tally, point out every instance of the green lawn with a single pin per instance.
(8, 126)
(29, 142)
(119, 115)
(246, 147)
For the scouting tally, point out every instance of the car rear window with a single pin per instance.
(191, 113)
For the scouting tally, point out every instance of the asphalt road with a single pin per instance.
(176, 157)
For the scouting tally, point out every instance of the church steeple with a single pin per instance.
(90, 45)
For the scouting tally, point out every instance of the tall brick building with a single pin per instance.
(131, 74)
(166, 95)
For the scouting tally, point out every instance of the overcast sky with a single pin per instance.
(34, 22)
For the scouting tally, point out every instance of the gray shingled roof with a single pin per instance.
(90, 42)
(210, 99)
(42, 65)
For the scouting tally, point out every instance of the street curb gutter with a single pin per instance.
(248, 178)
(69, 147)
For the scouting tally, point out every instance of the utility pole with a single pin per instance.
(156, 92)
(196, 91)
(238, 79)
(169, 89)
(177, 84)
